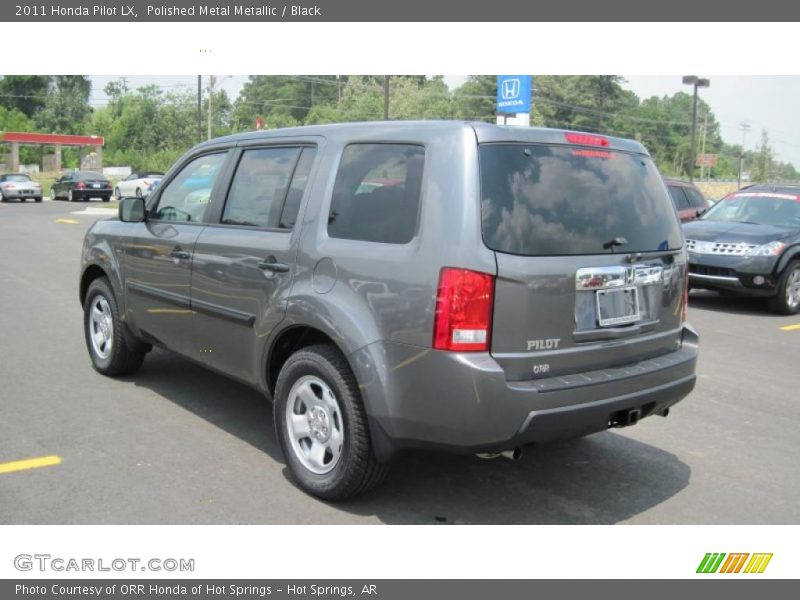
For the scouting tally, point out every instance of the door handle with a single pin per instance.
(179, 253)
(271, 264)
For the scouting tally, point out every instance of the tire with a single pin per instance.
(306, 374)
(106, 198)
(105, 333)
(53, 194)
(787, 300)
(117, 194)
(138, 192)
(69, 196)
(37, 199)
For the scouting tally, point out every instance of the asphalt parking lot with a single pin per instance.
(178, 444)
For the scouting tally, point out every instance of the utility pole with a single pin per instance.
(385, 97)
(703, 146)
(744, 126)
(199, 108)
(211, 82)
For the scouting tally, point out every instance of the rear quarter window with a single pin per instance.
(539, 200)
(376, 195)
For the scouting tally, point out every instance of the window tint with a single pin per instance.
(296, 189)
(377, 192)
(678, 197)
(696, 200)
(186, 197)
(259, 187)
(539, 200)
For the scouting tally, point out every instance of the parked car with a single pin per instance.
(748, 244)
(138, 184)
(689, 201)
(459, 286)
(19, 186)
(81, 185)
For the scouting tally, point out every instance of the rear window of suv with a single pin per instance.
(539, 200)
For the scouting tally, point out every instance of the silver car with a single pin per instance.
(19, 186)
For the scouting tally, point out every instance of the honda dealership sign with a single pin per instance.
(514, 93)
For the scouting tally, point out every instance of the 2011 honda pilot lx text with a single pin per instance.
(399, 285)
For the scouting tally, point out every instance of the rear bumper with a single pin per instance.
(422, 398)
(16, 194)
(92, 193)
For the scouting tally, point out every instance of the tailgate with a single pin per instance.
(548, 313)
(590, 259)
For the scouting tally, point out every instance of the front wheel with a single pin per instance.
(69, 196)
(138, 192)
(117, 194)
(105, 337)
(322, 425)
(787, 300)
(53, 194)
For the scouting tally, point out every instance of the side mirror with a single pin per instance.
(701, 212)
(131, 210)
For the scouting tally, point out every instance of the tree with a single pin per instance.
(763, 166)
(475, 98)
(26, 93)
(66, 108)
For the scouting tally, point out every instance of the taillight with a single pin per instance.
(584, 139)
(80, 185)
(147, 182)
(463, 320)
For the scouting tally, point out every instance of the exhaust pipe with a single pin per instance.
(513, 454)
(633, 416)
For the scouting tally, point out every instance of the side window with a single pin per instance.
(295, 194)
(187, 196)
(695, 199)
(377, 192)
(259, 187)
(678, 197)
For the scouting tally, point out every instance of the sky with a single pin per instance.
(766, 102)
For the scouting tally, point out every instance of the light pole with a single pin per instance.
(696, 82)
(743, 126)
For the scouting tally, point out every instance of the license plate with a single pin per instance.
(617, 307)
(96, 185)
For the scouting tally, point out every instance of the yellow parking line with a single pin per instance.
(68, 221)
(791, 327)
(29, 463)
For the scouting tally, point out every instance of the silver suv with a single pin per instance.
(398, 285)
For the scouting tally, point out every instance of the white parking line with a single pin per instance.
(95, 211)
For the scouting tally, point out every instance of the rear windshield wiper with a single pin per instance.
(617, 241)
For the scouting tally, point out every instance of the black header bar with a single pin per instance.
(401, 10)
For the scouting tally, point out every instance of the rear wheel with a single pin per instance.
(39, 199)
(138, 192)
(787, 300)
(53, 194)
(69, 196)
(104, 331)
(322, 425)
(106, 198)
